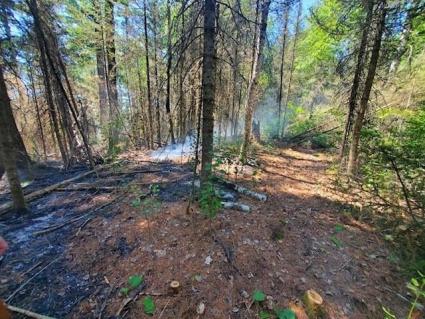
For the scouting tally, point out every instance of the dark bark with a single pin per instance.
(352, 102)
(291, 67)
(58, 68)
(8, 154)
(157, 84)
(111, 74)
(354, 149)
(208, 90)
(101, 66)
(38, 115)
(282, 63)
(169, 61)
(148, 77)
(252, 92)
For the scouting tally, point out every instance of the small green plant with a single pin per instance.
(417, 287)
(133, 281)
(209, 202)
(264, 315)
(258, 296)
(285, 314)
(339, 228)
(149, 306)
(336, 241)
(150, 204)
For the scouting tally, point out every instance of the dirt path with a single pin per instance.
(301, 238)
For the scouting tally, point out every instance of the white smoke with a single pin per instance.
(176, 151)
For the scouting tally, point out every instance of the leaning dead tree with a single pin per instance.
(60, 93)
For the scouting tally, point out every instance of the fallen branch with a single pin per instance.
(41, 192)
(243, 190)
(86, 187)
(234, 205)
(28, 313)
(138, 172)
(31, 278)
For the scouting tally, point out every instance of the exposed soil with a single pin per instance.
(300, 238)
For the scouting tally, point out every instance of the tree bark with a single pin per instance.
(169, 60)
(354, 149)
(101, 67)
(7, 147)
(208, 90)
(352, 102)
(148, 77)
(292, 66)
(282, 63)
(111, 74)
(252, 93)
(157, 84)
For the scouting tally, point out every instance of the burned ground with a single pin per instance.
(301, 238)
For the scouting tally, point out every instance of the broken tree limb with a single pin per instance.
(28, 313)
(237, 206)
(86, 187)
(243, 190)
(41, 192)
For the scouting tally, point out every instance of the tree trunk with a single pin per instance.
(148, 77)
(292, 66)
(354, 149)
(157, 84)
(252, 93)
(37, 109)
(111, 74)
(101, 68)
(352, 102)
(7, 147)
(208, 90)
(169, 60)
(282, 62)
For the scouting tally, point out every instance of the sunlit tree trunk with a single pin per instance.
(352, 102)
(354, 149)
(101, 67)
(111, 74)
(292, 66)
(252, 92)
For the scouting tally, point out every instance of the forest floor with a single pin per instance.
(79, 247)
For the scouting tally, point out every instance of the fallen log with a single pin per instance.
(234, 205)
(243, 190)
(41, 192)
